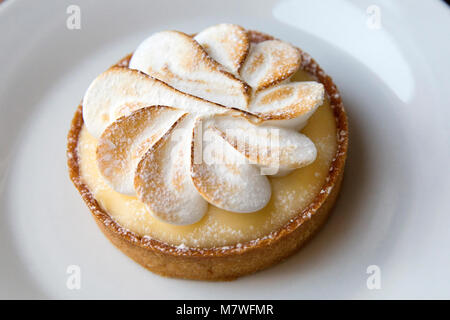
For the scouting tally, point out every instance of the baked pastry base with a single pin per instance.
(224, 263)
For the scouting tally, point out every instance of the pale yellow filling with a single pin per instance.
(290, 194)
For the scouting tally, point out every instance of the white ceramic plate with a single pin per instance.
(390, 61)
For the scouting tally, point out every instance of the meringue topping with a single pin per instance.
(163, 181)
(178, 60)
(224, 179)
(195, 120)
(270, 62)
(266, 146)
(124, 142)
(228, 44)
(292, 103)
(119, 89)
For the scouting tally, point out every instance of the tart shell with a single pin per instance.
(230, 262)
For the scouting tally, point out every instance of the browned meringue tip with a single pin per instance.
(124, 142)
(162, 179)
(228, 44)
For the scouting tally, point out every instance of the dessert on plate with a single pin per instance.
(210, 156)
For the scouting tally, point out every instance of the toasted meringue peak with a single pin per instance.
(119, 91)
(288, 105)
(163, 181)
(201, 120)
(270, 62)
(228, 44)
(124, 142)
(178, 60)
(272, 148)
(223, 177)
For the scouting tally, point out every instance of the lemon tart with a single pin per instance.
(210, 156)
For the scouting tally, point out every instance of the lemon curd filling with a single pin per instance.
(290, 194)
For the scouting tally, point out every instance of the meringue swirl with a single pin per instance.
(192, 121)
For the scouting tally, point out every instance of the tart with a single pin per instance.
(210, 156)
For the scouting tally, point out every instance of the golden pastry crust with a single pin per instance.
(224, 263)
